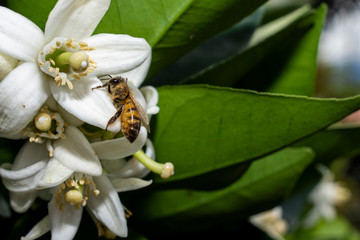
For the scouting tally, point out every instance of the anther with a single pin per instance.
(52, 61)
(70, 85)
(74, 75)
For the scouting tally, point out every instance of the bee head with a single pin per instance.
(119, 87)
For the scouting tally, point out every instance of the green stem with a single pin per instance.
(148, 162)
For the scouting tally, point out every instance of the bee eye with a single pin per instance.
(115, 80)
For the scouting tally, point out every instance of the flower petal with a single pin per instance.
(118, 54)
(128, 184)
(20, 38)
(21, 202)
(28, 164)
(76, 153)
(55, 173)
(119, 147)
(107, 207)
(21, 180)
(7, 64)
(75, 19)
(139, 74)
(29, 154)
(39, 229)
(31, 89)
(65, 222)
(91, 106)
(152, 98)
(134, 168)
(56, 107)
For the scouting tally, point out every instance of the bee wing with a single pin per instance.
(143, 116)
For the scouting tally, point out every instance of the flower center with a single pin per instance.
(75, 191)
(66, 60)
(46, 125)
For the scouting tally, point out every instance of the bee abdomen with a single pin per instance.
(130, 122)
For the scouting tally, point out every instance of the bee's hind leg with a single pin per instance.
(114, 118)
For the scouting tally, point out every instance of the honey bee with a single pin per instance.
(128, 109)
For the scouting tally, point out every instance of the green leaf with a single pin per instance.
(336, 229)
(299, 72)
(174, 27)
(248, 195)
(285, 50)
(218, 47)
(202, 128)
(333, 143)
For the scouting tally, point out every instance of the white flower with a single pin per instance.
(43, 69)
(271, 222)
(324, 197)
(74, 163)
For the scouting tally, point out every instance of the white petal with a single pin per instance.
(29, 154)
(31, 89)
(21, 202)
(118, 54)
(55, 173)
(64, 223)
(113, 165)
(21, 180)
(152, 98)
(28, 164)
(134, 168)
(7, 64)
(107, 207)
(139, 74)
(91, 106)
(39, 229)
(129, 184)
(20, 38)
(119, 147)
(56, 107)
(76, 153)
(75, 19)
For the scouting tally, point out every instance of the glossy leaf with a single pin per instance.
(201, 128)
(285, 50)
(174, 27)
(263, 186)
(215, 49)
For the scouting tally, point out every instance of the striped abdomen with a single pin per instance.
(130, 120)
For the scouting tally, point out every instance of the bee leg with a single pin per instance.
(113, 118)
(101, 86)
